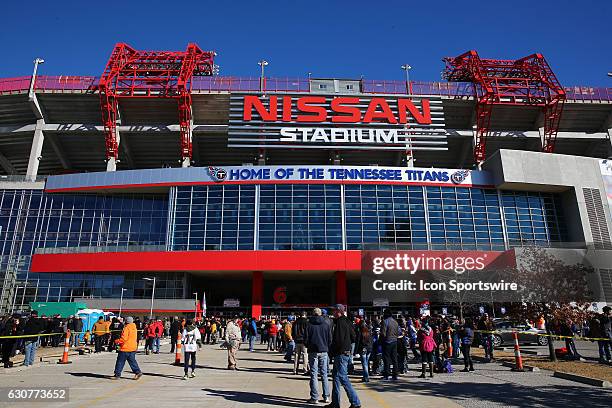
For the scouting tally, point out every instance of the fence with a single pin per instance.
(64, 83)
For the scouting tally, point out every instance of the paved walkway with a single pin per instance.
(265, 380)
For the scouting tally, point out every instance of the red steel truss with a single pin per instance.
(131, 73)
(528, 81)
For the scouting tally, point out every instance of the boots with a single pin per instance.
(430, 370)
(423, 368)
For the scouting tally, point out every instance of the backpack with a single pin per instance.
(447, 367)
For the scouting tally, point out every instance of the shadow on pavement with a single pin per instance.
(507, 394)
(90, 375)
(176, 377)
(256, 398)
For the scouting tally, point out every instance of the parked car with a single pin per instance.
(526, 335)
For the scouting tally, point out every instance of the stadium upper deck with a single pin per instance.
(150, 134)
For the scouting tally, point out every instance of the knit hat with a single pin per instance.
(129, 319)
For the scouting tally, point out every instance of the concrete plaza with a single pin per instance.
(266, 380)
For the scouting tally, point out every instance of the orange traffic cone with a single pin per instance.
(517, 354)
(179, 346)
(64, 359)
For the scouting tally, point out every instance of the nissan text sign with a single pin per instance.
(336, 122)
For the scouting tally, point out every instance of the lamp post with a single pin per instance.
(152, 295)
(262, 81)
(37, 61)
(196, 305)
(407, 69)
(121, 301)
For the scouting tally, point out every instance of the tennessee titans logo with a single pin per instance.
(217, 174)
(459, 176)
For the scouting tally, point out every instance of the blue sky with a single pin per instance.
(327, 38)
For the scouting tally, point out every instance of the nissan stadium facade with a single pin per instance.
(162, 180)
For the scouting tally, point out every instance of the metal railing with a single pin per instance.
(21, 178)
(101, 248)
(66, 83)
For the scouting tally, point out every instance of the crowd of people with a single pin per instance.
(311, 342)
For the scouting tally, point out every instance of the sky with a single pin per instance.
(341, 39)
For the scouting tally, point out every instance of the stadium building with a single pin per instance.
(162, 180)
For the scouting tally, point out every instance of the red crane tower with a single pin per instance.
(527, 81)
(131, 73)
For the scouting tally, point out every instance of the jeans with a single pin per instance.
(156, 345)
(189, 355)
(98, 341)
(290, 349)
(570, 345)
(365, 364)
(252, 342)
(351, 365)
(488, 345)
(300, 353)
(340, 376)
(318, 362)
(414, 350)
(30, 352)
(130, 357)
(456, 345)
(604, 350)
(467, 358)
(272, 342)
(390, 357)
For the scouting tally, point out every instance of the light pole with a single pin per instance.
(152, 295)
(196, 305)
(37, 61)
(407, 69)
(262, 80)
(121, 301)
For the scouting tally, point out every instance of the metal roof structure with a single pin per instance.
(74, 134)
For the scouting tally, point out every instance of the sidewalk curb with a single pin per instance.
(584, 380)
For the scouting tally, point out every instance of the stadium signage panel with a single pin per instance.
(336, 122)
(346, 174)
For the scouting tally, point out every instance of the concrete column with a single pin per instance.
(257, 294)
(36, 150)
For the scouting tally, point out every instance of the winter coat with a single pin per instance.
(127, 341)
(317, 337)
(426, 340)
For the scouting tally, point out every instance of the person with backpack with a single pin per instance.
(466, 335)
(192, 342)
(427, 346)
